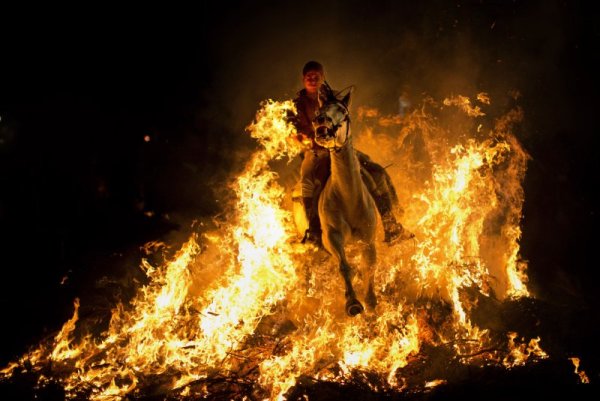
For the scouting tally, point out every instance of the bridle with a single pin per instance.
(335, 148)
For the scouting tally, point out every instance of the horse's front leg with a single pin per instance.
(370, 256)
(334, 243)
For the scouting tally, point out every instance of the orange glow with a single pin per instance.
(246, 299)
(582, 376)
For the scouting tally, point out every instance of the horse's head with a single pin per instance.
(332, 116)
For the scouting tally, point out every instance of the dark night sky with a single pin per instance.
(79, 93)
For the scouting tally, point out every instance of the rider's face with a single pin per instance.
(313, 81)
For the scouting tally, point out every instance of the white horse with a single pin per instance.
(346, 208)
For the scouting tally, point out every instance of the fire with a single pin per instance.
(582, 376)
(434, 383)
(246, 301)
(520, 353)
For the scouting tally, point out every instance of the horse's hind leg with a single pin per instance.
(370, 255)
(334, 244)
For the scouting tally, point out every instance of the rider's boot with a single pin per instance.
(313, 233)
(393, 230)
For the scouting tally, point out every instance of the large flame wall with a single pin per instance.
(246, 304)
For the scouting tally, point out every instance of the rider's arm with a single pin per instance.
(303, 124)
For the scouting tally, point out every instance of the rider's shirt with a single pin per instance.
(306, 108)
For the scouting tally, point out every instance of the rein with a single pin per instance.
(337, 149)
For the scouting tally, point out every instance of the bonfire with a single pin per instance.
(243, 310)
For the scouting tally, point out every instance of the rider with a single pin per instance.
(315, 168)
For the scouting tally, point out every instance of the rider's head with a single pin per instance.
(313, 76)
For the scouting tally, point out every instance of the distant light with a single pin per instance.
(147, 138)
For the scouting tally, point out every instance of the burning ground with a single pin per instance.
(242, 310)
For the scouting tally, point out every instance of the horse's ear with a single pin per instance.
(327, 92)
(346, 99)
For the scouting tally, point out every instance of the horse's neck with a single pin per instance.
(345, 171)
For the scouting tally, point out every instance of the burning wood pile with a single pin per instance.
(244, 311)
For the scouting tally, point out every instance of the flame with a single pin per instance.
(246, 301)
(521, 352)
(464, 103)
(582, 376)
(435, 383)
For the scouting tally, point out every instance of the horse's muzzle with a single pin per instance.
(321, 119)
(322, 131)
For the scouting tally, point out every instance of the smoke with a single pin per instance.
(383, 48)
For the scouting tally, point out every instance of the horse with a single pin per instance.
(346, 208)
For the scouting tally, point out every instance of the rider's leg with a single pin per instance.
(384, 200)
(313, 232)
(308, 186)
(313, 173)
(392, 228)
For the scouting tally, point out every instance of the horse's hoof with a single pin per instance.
(354, 307)
(371, 300)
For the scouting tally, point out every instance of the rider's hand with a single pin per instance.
(304, 139)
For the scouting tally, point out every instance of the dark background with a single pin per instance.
(81, 89)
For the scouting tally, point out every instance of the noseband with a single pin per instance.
(334, 128)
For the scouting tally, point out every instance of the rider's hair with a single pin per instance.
(312, 66)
